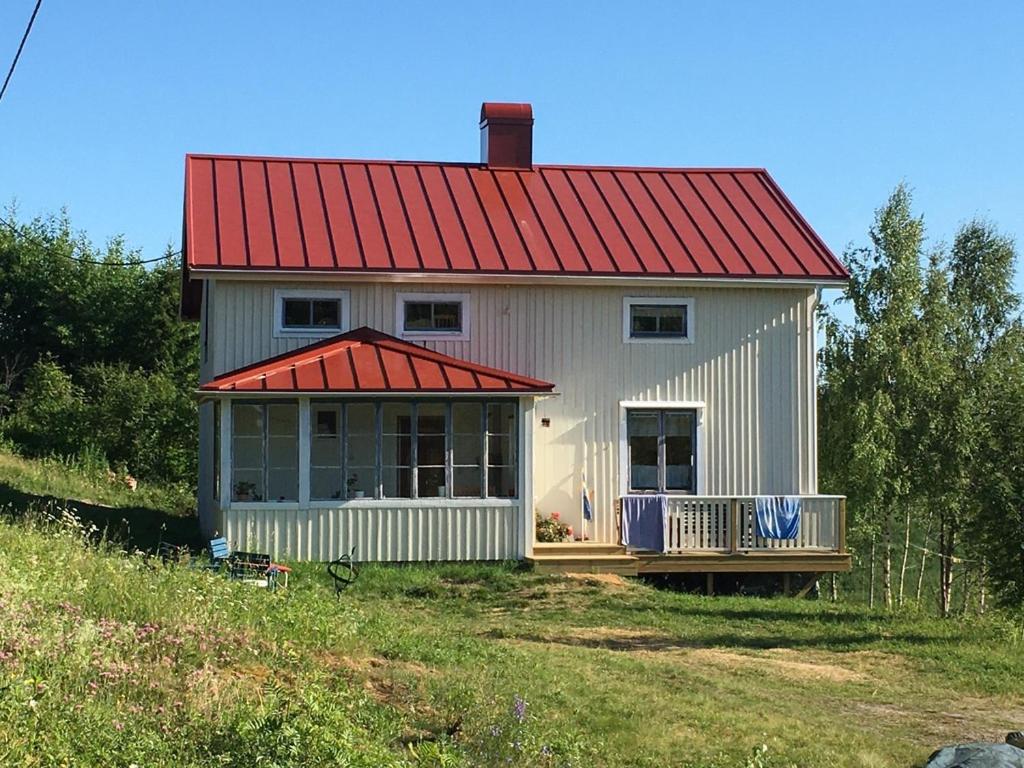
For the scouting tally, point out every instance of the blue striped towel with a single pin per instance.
(778, 517)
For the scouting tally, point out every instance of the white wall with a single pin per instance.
(751, 363)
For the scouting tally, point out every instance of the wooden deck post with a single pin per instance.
(842, 526)
(734, 525)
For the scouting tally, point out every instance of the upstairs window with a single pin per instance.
(310, 313)
(653, 319)
(432, 316)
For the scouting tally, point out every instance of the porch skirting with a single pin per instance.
(379, 531)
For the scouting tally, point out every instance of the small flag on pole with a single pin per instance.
(588, 511)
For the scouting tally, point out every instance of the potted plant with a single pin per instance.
(245, 491)
(552, 529)
(350, 483)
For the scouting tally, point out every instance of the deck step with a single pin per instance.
(621, 564)
(578, 548)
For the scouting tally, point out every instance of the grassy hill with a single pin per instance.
(109, 658)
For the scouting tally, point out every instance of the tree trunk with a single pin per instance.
(924, 560)
(947, 541)
(835, 588)
(906, 554)
(871, 576)
(983, 593)
(967, 591)
(887, 563)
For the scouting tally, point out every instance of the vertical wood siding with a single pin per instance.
(388, 534)
(751, 362)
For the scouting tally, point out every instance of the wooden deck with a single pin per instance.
(612, 558)
(716, 535)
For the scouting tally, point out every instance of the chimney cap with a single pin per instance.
(505, 112)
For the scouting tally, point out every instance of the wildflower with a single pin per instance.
(495, 730)
(519, 708)
(118, 725)
(545, 750)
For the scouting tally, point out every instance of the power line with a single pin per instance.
(28, 236)
(17, 55)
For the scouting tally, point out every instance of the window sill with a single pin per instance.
(655, 340)
(283, 506)
(305, 333)
(433, 336)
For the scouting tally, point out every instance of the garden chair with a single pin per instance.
(253, 568)
(219, 554)
(344, 571)
(170, 553)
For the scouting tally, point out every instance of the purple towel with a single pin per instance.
(645, 522)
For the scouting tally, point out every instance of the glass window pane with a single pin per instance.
(397, 482)
(325, 483)
(467, 449)
(678, 422)
(296, 312)
(500, 449)
(501, 482)
(430, 418)
(325, 420)
(501, 418)
(657, 320)
(361, 450)
(397, 418)
(643, 462)
(247, 453)
(397, 450)
(283, 484)
(362, 418)
(643, 423)
(673, 324)
(448, 316)
(361, 482)
(247, 485)
(430, 482)
(327, 313)
(283, 420)
(643, 323)
(430, 450)
(325, 451)
(417, 316)
(466, 481)
(247, 420)
(466, 418)
(282, 452)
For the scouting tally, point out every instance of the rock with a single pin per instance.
(980, 754)
(1016, 738)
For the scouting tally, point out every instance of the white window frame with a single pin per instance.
(698, 406)
(281, 331)
(433, 335)
(628, 302)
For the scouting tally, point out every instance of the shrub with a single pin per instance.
(552, 529)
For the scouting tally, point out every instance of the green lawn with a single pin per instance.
(109, 659)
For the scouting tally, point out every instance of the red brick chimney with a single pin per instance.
(506, 135)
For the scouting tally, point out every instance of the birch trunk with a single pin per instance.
(924, 560)
(871, 576)
(906, 554)
(887, 563)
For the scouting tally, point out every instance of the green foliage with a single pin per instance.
(918, 400)
(551, 529)
(93, 356)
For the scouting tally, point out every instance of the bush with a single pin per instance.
(552, 529)
(139, 422)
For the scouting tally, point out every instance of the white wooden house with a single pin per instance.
(416, 358)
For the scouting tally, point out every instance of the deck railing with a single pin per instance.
(727, 524)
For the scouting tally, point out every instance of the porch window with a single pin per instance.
(432, 316)
(413, 450)
(662, 455)
(264, 452)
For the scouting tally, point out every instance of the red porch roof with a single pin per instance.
(365, 360)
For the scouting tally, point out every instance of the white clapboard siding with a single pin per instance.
(751, 363)
(399, 533)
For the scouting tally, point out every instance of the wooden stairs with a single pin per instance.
(583, 557)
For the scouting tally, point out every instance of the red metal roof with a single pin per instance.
(281, 214)
(365, 360)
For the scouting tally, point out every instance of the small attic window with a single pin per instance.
(655, 319)
(310, 313)
(432, 316)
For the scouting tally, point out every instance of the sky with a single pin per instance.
(839, 101)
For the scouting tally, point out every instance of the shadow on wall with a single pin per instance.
(138, 527)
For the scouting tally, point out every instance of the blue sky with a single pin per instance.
(840, 101)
